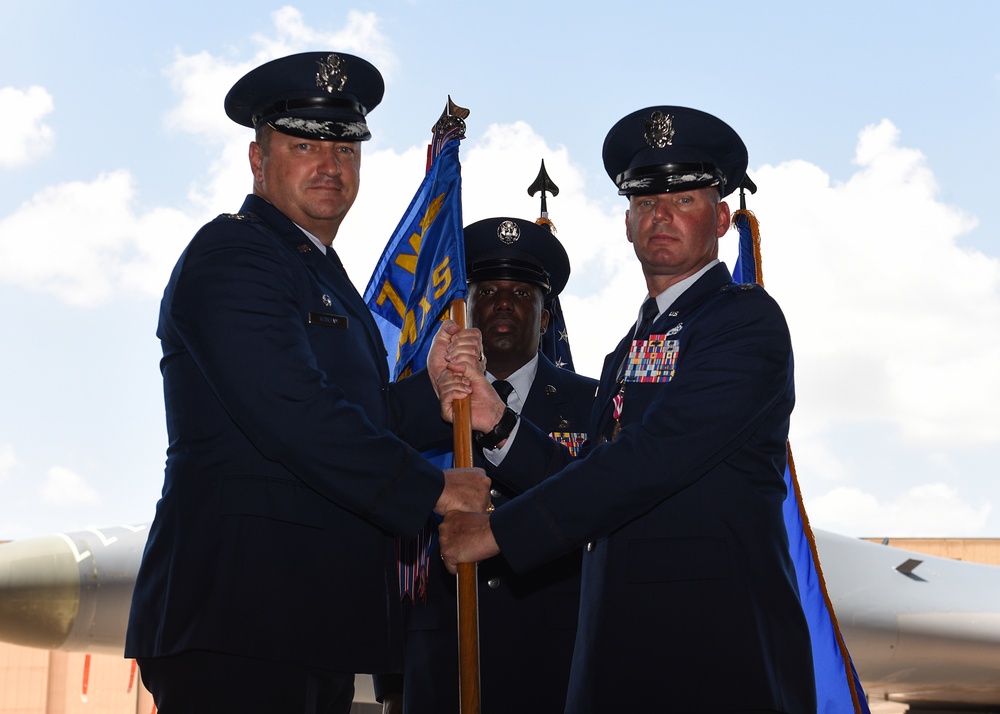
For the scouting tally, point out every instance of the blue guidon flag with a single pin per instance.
(838, 689)
(422, 268)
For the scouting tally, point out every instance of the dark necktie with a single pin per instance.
(504, 388)
(646, 318)
(332, 256)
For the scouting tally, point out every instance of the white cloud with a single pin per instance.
(63, 487)
(26, 135)
(113, 248)
(361, 35)
(886, 308)
(202, 79)
(928, 510)
(105, 245)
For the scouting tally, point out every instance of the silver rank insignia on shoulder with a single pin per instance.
(235, 216)
(659, 130)
(331, 75)
(508, 232)
(327, 302)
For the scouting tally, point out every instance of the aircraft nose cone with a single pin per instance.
(39, 592)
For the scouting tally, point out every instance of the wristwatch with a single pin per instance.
(500, 432)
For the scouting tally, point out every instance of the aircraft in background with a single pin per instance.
(922, 630)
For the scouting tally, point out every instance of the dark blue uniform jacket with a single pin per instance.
(285, 485)
(688, 600)
(527, 622)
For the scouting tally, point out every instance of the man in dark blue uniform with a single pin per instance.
(268, 577)
(527, 622)
(688, 600)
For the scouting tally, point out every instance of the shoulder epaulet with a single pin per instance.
(237, 217)
(740, 287)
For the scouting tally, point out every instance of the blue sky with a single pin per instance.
(871, 131)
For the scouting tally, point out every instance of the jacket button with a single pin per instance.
(590, 546)
(495, 493)
(493, 583)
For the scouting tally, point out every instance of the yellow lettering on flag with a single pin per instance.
(407, 261)
(441, 277)
(390, 292)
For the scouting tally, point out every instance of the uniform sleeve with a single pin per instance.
(237, 307)
(735, 373)
(417, 413)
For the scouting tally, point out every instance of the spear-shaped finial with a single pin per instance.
(453, 117)
(746, 185)
(543, 184)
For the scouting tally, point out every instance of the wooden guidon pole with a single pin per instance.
(468, 595)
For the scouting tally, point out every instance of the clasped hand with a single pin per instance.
(457, 369)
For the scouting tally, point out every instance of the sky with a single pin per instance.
(871, 130)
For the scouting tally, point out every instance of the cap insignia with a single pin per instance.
(331, 75)
(508, 232)
(659, 130)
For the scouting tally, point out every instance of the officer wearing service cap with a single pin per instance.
(312, 95)
(688, 599)
(268, 577)
(527, 622)
(507, 253)
(672, 149)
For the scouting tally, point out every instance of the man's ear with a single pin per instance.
(544, 322)
(256, 161)
(724, 216)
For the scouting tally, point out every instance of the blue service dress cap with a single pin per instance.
(666, 149)
(313, 95)
(505, 248)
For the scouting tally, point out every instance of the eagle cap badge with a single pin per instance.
(659, 130)
(508, 232)
(331, 75)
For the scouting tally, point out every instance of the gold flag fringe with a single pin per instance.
(755, 235)
(544, 221)
(806, 528)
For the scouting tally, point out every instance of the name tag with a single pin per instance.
(322, 318)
